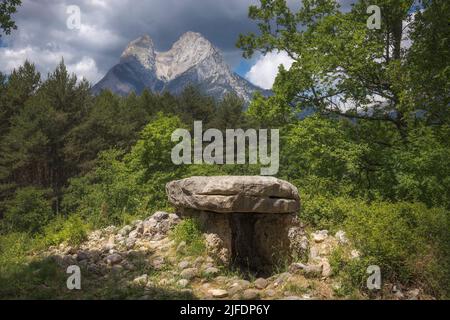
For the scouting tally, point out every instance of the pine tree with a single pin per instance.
(32, 151)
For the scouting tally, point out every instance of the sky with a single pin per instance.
(107, 26)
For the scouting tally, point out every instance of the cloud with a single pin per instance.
(83, 67)
(265, 70)
(86, 68)
(108, 25)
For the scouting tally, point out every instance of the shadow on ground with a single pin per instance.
(46, 278)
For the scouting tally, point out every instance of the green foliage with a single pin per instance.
(421, 169)
(320, 149)
(23, 277)
(100, 130)
(40, 120)
(152, 153)
(342, 67)
(228, 114)
(7, 9)
(364, 159)
(378, 168)
(350, 272)
(408, 241)
(326, 211)
(429, 74)
(267, 113)
(13, 249)
(133, 184)
(391, 152)
(13, 255)
(189, 232)
(106, 194)
(29, 211)
(192, 105)
(72, 230)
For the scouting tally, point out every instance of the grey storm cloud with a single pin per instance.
(108, 25)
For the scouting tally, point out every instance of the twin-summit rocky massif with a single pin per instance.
(192, 60)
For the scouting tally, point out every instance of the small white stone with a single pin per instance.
(355, 254)
(320, 236)
(261, 283)
(142, 280)
(189, 273)
(326, 268)
(211, 271)
(341, 237)
(218, 293)
(183, 265)
(183, 283)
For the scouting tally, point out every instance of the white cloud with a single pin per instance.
(86, 68)
(83, 67)
(11, 58)
(98, 3)
(108, 25)
(265, 70)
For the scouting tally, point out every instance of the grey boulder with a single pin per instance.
(228, 194)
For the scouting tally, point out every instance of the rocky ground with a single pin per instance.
(142, 262)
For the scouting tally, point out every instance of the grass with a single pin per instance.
(188, 231)
(296, 289)
(25, 274)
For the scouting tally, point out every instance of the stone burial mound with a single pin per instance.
(249, 221)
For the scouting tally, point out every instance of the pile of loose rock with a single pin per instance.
(111, 249)
(142, 255)
(321, 247)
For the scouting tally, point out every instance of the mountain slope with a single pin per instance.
(192, 60)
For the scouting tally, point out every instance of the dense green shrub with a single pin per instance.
(422, 168)
(409, 241)
(107, 193)
(322, 211)
(13, 249)
(29, 211)
(152, 153)
(72, 230)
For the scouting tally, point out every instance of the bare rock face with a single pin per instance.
(249, 221)
(191, 60)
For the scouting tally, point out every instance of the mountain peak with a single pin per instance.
(192, 59)
(188, 51)
(141, 49)
(192, 39)
(192, 36)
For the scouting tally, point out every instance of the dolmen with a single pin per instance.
(249, 221)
